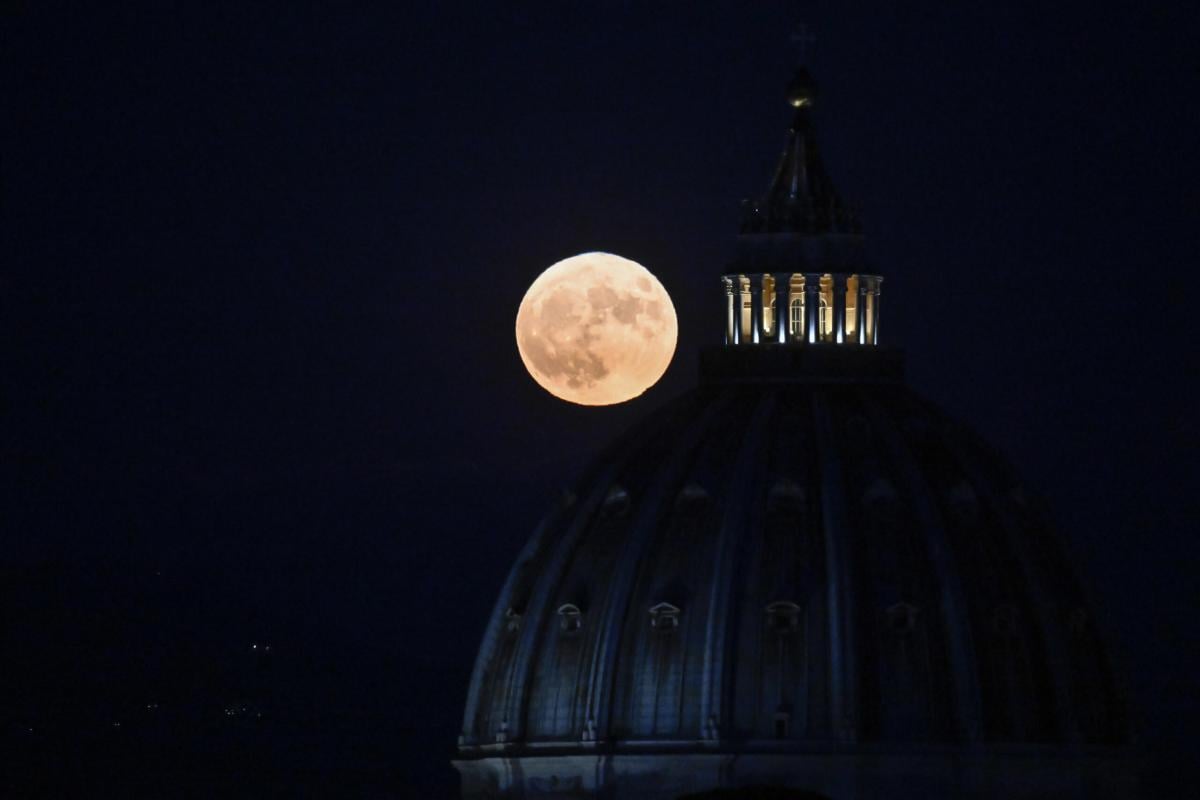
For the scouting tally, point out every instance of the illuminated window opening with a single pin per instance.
(796, 304)
(768, 305)
(825, 308)
(852, 308)
(825, 322)
(783, 617)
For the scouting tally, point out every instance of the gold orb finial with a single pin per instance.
(802, 91)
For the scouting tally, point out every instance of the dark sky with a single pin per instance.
(259, 275)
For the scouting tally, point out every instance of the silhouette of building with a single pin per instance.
(800, 579)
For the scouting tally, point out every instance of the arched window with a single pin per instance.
(570, 618)
(783, 617)
(512, 620)
(825, 321)
(852, 308)
(796, 306)
(664, 617)
(797, 326)
(768, 305)
(616, 502)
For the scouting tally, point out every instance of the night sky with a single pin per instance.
(258, 277)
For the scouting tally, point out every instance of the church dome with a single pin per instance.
(799, 574)
(784, 565)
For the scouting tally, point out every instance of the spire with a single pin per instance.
(801, 198)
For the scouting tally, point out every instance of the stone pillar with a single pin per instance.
(783, 309)
(871, 315)
(812, 306)
(730, 309)
(755, 309)
(875, 327)
(737, 309)
(839, 306)
(860, 308)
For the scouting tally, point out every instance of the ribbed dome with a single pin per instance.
(801, 574)
(784, 564)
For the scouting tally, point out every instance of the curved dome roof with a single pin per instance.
(799, 574)
(781, 564)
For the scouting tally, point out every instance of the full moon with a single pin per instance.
(596, 329)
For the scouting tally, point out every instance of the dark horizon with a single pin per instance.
(261, 271)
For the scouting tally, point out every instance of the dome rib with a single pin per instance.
(716, 688)
(966, 703)
(600, 684)
(1051, 634)
(545, 555)
(844, 675)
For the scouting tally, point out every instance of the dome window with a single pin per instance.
(783, 723)
(616, 502)
(783, 617)
(902, 618)
(785, 494)
(692, 493)
(570, 618)
(880, 493)
(664, 617)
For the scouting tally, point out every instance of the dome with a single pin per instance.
(793, 567)
(801, 576)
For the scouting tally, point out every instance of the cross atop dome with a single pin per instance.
(803, 38)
